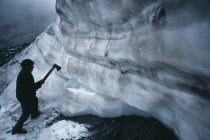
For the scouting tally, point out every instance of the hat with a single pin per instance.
(27, 62)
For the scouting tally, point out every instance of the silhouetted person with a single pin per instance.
(26, 95)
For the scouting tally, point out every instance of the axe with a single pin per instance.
(50, 71)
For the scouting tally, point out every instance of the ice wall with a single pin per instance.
(116, 61)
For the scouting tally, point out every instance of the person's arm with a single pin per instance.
(38, 85)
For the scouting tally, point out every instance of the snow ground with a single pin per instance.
(64, 130)
(42, 128)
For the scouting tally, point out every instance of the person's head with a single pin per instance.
(27, 64)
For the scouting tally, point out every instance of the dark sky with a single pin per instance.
(19, 10)
(21, 21)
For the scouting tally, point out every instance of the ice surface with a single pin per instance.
(117, 64)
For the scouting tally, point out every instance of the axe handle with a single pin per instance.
(49, 72)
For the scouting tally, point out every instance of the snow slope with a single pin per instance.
(116, 62)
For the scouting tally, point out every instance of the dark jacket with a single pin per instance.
(25, 87)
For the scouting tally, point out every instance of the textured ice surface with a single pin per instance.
(115, 62)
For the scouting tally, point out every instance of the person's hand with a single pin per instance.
(42, 81)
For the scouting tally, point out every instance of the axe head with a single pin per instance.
(57, 67)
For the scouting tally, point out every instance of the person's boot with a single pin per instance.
(34, 116)
(18, 131)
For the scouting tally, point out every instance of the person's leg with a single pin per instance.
(35, 111)
(26, 110)
(35, 105)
